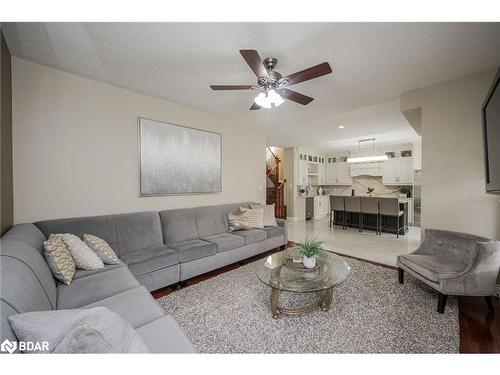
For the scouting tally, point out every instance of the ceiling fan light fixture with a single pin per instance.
(269, 99)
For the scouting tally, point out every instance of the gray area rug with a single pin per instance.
(370, 313)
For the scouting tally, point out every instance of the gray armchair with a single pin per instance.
(454, 264)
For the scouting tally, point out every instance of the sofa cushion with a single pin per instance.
(274, 231)
(152, 259)
(107, 267)
(178, 225)
(163, 335)
(210, 220)
(193, 249)
(432, 267)
(251, 235)
(225, 241)
(100, 226)
(138, 230)
(90, 289)
(136, 306)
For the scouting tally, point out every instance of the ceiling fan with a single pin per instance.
(271, 84)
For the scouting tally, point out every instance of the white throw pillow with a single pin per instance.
(255, 217)
(84, 257)
(269, 218)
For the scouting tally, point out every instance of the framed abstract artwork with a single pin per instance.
(175, 159)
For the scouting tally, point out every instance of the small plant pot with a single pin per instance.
(309, 262)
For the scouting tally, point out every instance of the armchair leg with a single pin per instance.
(441, 303)
(489, 304)
(401, 274)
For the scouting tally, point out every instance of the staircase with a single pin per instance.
(275, 189)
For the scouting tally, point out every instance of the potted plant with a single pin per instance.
(370, 190)
(309, 250)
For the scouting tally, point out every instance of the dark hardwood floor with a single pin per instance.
(479, 330)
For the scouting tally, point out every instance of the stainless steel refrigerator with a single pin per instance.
(417, 197)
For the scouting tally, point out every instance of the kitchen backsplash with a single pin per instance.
(360, 185)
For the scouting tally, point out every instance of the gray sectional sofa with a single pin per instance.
(157, 249)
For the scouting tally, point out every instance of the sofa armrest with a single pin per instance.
(480, 277)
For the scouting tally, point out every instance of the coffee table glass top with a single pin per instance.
(279, 271)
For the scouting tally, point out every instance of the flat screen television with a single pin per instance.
(491, 136)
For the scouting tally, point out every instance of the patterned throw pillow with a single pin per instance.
(84, 257)
(59, 259)
(101, 248)
(238, 221)
(255, 217)
(269, 218)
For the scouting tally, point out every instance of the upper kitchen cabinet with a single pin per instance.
(303, 172)
(338, 171)
(321, 171)
(398, 171)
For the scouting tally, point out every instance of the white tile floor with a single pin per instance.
(366, 245)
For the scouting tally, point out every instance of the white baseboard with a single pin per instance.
(292, 218)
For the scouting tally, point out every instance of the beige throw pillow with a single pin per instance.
(59, 259)
(101, 248)
(84, 257)
(269, 218)
(238, 221)
(255, 217)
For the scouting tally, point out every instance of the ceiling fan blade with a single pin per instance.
(255, 106)
(254, 61)
(295, 96)
(307, 74)
(231, 87)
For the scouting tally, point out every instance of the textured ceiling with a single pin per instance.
(372, 63)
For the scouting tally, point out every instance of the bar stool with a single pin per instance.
(337, 204)
(370, 206)
(390, 207)
(353, 206)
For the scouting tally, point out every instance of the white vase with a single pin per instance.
(309, 262)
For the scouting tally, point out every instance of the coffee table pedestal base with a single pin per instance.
(324, 304)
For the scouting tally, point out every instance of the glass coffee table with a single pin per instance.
(282, 274)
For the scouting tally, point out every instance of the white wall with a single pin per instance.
(75, 147)
(453, 191)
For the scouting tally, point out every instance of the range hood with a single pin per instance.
(367, 169)
(366, 161)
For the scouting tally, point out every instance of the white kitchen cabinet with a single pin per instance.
(321, 173)
(303, 172)
(321, 206)
(398, 171)
(331, 173)
(338, 174)
(344, 174)
(406, 171)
